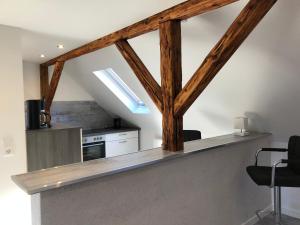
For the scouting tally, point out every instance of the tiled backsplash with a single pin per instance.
(87, 114)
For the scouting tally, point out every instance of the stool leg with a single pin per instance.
(257, 213)
(277, 204)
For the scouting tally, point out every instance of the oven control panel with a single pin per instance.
(93, 139)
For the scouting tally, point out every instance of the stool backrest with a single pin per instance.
(191, 135)
(294, 153)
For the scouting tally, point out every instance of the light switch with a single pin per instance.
(7, 146)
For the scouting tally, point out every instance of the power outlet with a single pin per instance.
(8, 151)
(7, 146)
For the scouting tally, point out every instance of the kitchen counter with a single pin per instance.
(43, 180)
(108, 131)
(56, 127)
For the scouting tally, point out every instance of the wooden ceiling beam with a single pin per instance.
(247, 20)
(58, 68)
(182, 11)
(142, 73)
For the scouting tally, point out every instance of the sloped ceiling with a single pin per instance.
(72, 22)
(82, 71)
(76, 18)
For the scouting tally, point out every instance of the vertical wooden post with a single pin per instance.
(44, 81)
(171, 83)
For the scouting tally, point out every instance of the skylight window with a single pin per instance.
(113, 82)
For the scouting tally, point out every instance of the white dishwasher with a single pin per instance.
(121, 143)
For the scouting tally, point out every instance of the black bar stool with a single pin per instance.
(277, 177)
(191, 135)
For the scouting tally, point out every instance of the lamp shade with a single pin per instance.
(241, 123)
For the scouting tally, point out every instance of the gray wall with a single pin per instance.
(87, 114)
(207, 188)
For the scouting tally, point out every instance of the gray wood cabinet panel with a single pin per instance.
(46, 149)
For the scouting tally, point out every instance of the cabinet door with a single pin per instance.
(39, 147)
(121, 135)
(67, 146)
(121, 147)
(46, 149)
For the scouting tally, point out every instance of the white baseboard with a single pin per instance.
(253, 220)
(291, 212)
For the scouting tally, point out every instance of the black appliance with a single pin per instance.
(93, 147)
(36, 116)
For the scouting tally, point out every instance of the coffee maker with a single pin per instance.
(36, 116)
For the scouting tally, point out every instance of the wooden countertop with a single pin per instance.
(43, 180)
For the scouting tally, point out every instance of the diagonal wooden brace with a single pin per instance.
(247, 20)
(58, 68)
(142, 73)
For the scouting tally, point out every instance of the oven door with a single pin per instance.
(94, 150)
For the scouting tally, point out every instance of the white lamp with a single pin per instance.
(241, 123)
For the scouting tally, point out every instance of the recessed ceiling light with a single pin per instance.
(60, 46)
(42, 56)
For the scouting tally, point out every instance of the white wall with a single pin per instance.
(14, 203)
(68, 89)
(31, 78)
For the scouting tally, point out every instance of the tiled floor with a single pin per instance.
(286, 220)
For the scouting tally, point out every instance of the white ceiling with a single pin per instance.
(46, 23)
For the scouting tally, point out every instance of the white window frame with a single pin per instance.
(121, 90)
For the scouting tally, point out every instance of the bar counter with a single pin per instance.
(43, 180)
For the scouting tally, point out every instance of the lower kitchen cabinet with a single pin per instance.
(121, 143)
(121, 147)
(48, 148)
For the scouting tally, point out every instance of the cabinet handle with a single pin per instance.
(122, 134)
(121, 142)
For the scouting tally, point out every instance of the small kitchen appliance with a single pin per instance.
(36, 116)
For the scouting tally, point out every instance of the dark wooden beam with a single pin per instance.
(247, 20)
(58, 68)
(182, 11)
(44, 81)
(149, 83)
(171, 83)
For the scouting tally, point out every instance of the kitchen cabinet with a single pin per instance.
(121, 143)
(52, 147)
